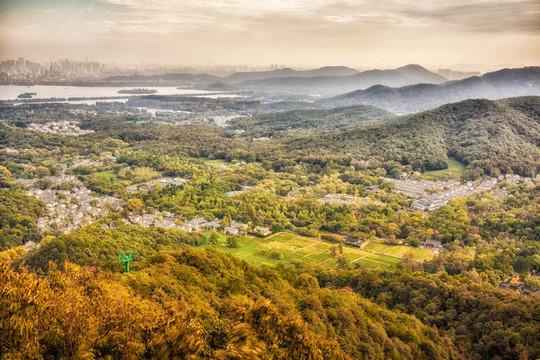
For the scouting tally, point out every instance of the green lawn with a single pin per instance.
(308, 250)
(109, 174)
(214, 161)
(455, 170)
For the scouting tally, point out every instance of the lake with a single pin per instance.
(10, 92)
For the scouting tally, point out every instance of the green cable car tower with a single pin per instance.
(126, 257)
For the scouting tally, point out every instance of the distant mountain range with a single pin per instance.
(496, 85)
(240, 77)
(404, 90)
(326, 81)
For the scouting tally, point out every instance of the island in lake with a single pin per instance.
(27, 95)
(137, 91)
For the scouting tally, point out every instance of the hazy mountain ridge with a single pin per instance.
(407, 75)
(496, 85)
(239, 77)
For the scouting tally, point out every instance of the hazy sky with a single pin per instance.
(362, 33)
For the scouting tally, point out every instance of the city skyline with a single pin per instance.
(361, 34)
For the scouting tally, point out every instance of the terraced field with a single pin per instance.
(315, 252)
(401, 250)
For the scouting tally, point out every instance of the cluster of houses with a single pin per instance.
(514, 283)
(83, 111)
(434, 245)
(67, 210)
(428, 203)
(148, 185)
(221, 120)
(80, 161)
(414, 188)
(337, 199)
(167, 220)
(235, 227)
(164, 220)
(373, 188)
(63, 127)
(446, 191)
(344, 199)
(9, 151)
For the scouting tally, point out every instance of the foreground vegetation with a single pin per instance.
(205, 304)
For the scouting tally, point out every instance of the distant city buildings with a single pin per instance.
(25, 71)
(28, 71)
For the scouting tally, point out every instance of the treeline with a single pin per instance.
(205, 304)
(191, 103)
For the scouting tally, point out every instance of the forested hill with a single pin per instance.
(409, 99)
(492, 136)
(195, 304)
(308, 121)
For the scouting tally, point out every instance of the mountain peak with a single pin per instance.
(412, 67)
(419, 72)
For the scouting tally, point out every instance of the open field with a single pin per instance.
(401, 250)
(312, 251)
(109, 174)
(455, 170)
(214, 161)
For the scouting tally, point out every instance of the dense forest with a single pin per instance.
(281, 124)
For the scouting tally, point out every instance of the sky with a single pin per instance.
(297, 33)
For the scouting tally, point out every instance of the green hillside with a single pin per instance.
(490, 136)
(310, 121)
